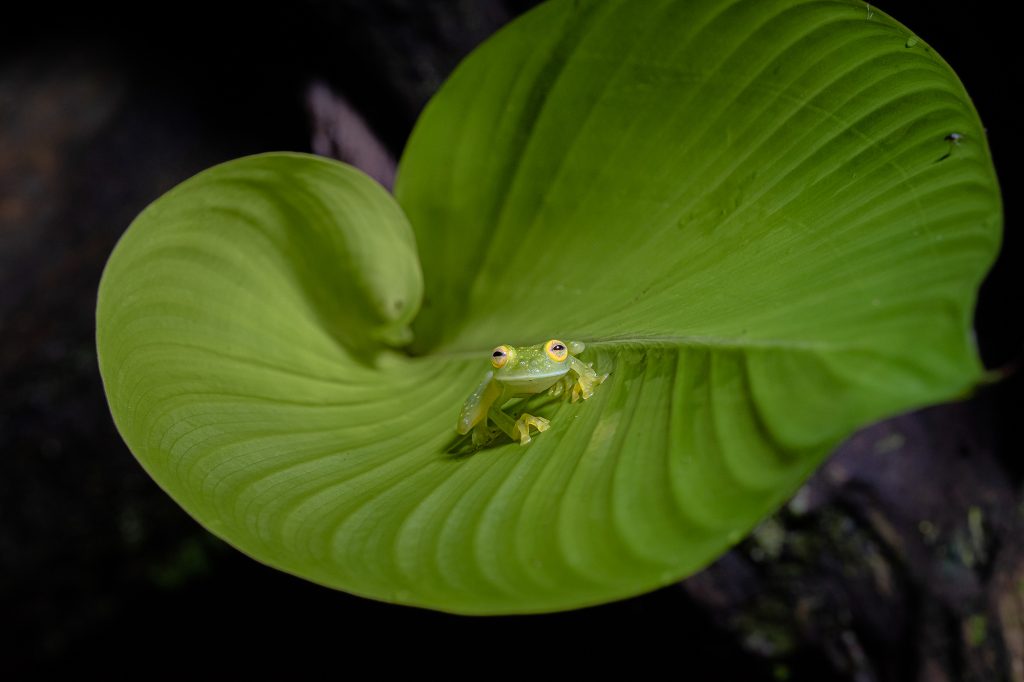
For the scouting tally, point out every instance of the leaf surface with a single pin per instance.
(753, 212)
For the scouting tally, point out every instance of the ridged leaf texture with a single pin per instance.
(767, 219)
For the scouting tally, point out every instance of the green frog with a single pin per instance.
(522, 371)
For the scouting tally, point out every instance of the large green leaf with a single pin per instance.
(767, 219)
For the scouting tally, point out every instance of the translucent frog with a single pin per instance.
(524, 371)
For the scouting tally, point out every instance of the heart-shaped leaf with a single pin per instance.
(767, 219)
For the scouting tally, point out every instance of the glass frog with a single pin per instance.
(523, 371)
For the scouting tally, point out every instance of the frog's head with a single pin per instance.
(530, 369)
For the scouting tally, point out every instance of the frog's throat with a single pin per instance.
(532, 383)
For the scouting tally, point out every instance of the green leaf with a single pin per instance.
(768, 220)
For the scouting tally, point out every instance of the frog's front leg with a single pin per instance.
(517, 429)
(586, 379)
(475, 410)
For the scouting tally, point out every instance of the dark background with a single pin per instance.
(902, 559)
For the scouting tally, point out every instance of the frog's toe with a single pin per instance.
(585, 385)
(524, 423)
(584, 388)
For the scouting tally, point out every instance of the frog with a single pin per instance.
(518, 371)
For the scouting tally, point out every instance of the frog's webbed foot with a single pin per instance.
(524, 423)
(518, 429)
(586, 381)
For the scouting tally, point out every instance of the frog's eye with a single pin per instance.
(556, 350)
(499, 356)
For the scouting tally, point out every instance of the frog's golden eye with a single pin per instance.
(499, 356)
(556, 350)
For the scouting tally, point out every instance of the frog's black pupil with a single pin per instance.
(558, 347)
(498, 353)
